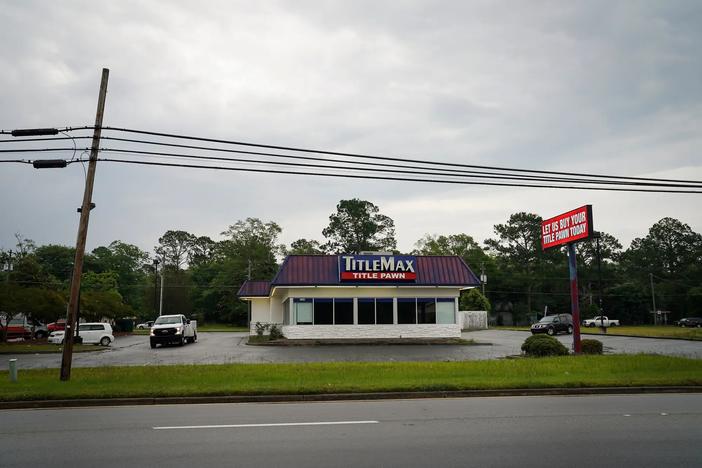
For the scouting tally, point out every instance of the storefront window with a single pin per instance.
(303, 311)
(343, 311)
(383, 311)
(323, 311)
(445, 311)
(366, 311)
(426, 310)
(406, 310)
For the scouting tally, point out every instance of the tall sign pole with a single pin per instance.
(567, 229)
(67, 357)
(574, 299)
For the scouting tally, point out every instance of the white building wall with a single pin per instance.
(473, 319)
(301, 332)
(270, 310)
(260, 312)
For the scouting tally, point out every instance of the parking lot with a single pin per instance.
(223, 348)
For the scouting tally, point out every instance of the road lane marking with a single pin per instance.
(224, 426)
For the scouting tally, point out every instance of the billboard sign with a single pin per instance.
(377, 268)
(575, 225)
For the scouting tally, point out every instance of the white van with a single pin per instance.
(95, 333)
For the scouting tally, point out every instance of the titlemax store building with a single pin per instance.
(362, 296)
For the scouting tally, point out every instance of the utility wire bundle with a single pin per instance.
(149, 148)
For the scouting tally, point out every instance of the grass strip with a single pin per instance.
(44, 348)
(650, 331)
(343, 377)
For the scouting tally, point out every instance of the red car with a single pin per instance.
(57, 325)
(17, 329)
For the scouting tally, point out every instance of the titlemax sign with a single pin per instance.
(377, 268)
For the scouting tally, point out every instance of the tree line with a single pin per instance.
(202, 275)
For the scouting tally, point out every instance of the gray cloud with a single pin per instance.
(584, 86)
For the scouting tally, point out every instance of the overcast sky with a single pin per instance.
(602, 87)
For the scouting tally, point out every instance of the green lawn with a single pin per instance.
(31, 348)
(656, 331)
(341, 377)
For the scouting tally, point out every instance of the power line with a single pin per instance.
(613, 180)
(366, 156)
(400, 179)
(451, 172)
(38, 150)
(368, 169)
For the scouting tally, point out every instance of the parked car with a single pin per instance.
(21, 326)
(173, 329)
(145, 325)
(690, 322)
(553, 324)
(17, 327)
(600, 321)
(57, 325)
(91, 333)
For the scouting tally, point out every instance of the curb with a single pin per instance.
(623, 336)
(77, 403)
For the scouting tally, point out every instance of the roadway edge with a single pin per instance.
(342, 396)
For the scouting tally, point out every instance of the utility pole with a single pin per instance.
(653, 299)
(73, 302)
(163, 281)
(155, 285)
(599, 281)
(483, 276)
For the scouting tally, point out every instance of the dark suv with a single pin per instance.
(552, 324)
(690, 322)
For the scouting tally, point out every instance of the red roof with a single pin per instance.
(319, 270)
(254, 288)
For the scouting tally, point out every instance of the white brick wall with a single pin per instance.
(299, 332)
(473, 319)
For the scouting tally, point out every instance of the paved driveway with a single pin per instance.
(222, 348)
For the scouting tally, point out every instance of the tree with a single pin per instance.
(202, 250)
(473, 299)
(672, 253)
(610, 250)
(521, 260)
(174, 247)
(56, 260)
(669, 248)
(249, 244)
(462, 245)
(305, 247)
(359, 226)
(127, 262)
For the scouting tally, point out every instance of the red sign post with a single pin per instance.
(569, 228)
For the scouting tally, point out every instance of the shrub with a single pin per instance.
(261, 328)
(591, 346)
(276, 333)
(543, 345)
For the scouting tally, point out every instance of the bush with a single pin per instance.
(261, 328)
(543, 345)
(591, 346)
(276, 333)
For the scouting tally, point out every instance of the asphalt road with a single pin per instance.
(583, 431)
(222, 348)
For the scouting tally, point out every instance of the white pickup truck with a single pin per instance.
(599, 321)
(173, 329)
